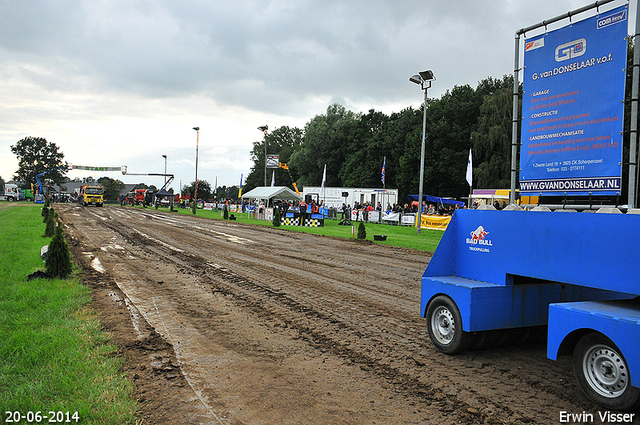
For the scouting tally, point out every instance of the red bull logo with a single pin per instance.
(478, 237)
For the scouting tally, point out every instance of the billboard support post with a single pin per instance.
(633, 134)
(514, 133)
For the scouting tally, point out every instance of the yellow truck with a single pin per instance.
(91, 194)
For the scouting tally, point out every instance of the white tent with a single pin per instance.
(272, 192)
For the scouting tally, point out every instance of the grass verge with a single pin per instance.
(401, 236)
(53, 355)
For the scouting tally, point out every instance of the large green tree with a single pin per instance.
(35, 156)
(366, 151)
(327, 140)
(111, 188)
(492, 139)
(204, 190)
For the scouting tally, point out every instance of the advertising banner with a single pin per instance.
(573, 108)
(273, 161)
(434, 222)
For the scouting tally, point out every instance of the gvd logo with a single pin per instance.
(571, 50)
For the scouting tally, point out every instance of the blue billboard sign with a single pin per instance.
(573, 107)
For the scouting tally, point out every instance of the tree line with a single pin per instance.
(354, 145)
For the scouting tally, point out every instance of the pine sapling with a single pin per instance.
(58, 263)
(362, 232)
(276, 217)
(51, 224)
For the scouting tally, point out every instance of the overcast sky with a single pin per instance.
(122, 82)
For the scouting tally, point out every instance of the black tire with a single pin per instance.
(444, 324)
(603, 374)
(520, 336)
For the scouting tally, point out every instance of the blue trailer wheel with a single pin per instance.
(603, 374)
(444, 325)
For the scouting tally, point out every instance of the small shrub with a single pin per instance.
(276, 217)
(58, 263)
(45, 214)
(193, 208)
(51, 224)
(362, 232)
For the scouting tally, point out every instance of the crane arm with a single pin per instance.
(286, 167)
(62, 167)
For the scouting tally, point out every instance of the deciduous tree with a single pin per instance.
(35, 156)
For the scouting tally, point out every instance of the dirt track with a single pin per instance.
(222, 323)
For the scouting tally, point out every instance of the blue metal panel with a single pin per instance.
(585, 249)
(486, 306)
(618, 320)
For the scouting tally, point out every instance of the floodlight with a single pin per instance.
(415, 79)
(427, 75)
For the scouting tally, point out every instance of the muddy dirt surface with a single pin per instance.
(221, 323)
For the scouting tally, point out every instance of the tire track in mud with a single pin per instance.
(288, 313)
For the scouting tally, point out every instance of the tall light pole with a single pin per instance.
(423, 79)
(165, 169)
(264, 129)
(197, 129)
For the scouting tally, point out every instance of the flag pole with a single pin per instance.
(469, 177)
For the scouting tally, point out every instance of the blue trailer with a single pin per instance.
(500, 275)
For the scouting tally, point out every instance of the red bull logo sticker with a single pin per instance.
(478, 240)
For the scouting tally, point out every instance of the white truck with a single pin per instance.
(11, 193)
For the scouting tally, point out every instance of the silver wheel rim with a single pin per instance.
(606, 371)
(443, 325)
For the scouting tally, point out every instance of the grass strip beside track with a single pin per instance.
(53, 355)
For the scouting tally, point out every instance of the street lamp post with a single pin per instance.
(195, 195)
(165, 169)
(423, 79)
(264, 129)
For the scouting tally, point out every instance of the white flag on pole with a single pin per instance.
(470, 170)
(324, 176)
(273, 178)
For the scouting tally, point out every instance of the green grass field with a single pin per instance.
(53, 355)
(401, 236)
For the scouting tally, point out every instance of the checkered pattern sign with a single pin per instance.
(308, 222)
(290, 221)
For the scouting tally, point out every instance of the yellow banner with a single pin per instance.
(434, 222)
